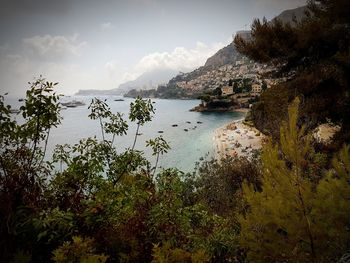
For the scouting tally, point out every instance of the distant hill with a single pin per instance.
(92, 92)
(146, 81)
(149, 80)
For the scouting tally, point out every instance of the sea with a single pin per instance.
(187, 147)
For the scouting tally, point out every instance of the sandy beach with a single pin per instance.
(237, 139)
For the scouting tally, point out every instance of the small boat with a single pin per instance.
(174, 125)
(138, 134)
(186, 130)
(188, 122)
(118, 100)
(73, 104)
(14, 111)
(199, 122)
(160, 131)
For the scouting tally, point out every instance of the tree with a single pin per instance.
(92, 203)
(217, 92)
(23, 171)
(313, 55)
(294, 218)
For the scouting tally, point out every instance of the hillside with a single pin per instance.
(226, 55)
(149, 80)
(228, 63)
(289, 16)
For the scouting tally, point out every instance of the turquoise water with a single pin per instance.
(186, 147)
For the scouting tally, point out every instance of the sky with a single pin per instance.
(86, 44)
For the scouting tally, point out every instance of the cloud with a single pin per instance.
(106, 26)
(181, 59)
(112, 68)
(40, 55)
(48, 46)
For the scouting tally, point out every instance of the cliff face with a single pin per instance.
(226, 55)
(229, 55)
(289, 16)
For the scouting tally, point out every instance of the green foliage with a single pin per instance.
(141, 111)
(103, 205)
(169, 91)
(219, 183)
(332, 207)
(22, 166)
(112, 199)
(287, 220)
(79, 250)
(159, 146)
(204, 97)
(166, 254)
(115, 124)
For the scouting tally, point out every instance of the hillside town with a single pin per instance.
(230, 86)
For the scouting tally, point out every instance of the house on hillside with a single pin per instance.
(256, 89)
(227, 90)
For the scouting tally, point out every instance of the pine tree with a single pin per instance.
(331, 208)
(294, 219)
(277, 226)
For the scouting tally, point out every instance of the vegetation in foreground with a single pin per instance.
(92, 204)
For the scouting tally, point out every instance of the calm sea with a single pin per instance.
(186, 147)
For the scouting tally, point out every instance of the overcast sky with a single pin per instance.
(85, 44)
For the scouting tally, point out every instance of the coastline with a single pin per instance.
(219, 109)
(237, 139)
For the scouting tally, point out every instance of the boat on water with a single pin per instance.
(14, 111)
(73, 104)
(118, 100)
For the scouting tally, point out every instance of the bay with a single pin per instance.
(187, 147)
